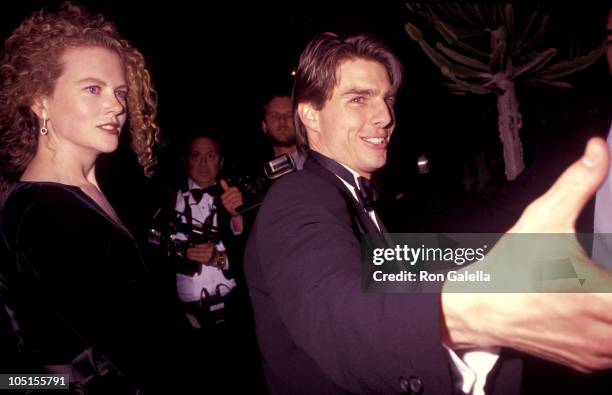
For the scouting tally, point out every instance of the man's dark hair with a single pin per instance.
(280, 91)
(200, 135)
(315, 77)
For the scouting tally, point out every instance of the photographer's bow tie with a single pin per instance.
(198, 193)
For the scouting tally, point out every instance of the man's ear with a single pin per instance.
(264, 127)
(309, 116)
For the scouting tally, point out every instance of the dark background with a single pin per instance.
(213, 65)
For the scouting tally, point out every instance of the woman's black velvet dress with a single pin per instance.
(73, 281)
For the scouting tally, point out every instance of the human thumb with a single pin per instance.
(557, 210)
(224, 184)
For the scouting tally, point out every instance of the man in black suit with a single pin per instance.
(319, 332)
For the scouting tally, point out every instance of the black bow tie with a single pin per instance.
(368, 193)
(198, 193)
(364, 188)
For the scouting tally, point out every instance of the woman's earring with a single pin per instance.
(44, 129)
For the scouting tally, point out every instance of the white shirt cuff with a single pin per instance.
(473, 369)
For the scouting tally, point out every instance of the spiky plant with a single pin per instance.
(487, 50)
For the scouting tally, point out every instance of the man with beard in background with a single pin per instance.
(277, 124)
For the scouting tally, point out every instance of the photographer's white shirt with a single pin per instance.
(189, 288)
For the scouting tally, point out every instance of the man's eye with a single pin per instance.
(390, 101)
(358, 99)
(93, 89)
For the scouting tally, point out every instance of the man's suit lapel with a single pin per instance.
(361, 220)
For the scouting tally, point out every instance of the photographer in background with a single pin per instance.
(205, 251)
(277, 124)
(210, 208)
(282, 158)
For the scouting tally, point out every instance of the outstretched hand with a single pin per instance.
(568, 328)
(557, 210)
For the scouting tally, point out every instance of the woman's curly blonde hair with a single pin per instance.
(31, 64)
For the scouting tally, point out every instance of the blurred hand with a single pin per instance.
(573, 329)
(201, 253)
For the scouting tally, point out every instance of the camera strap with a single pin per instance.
(187, 210)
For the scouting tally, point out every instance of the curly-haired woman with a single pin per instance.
(72, 277)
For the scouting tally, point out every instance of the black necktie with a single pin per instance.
(198, 193)
(368, 193)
